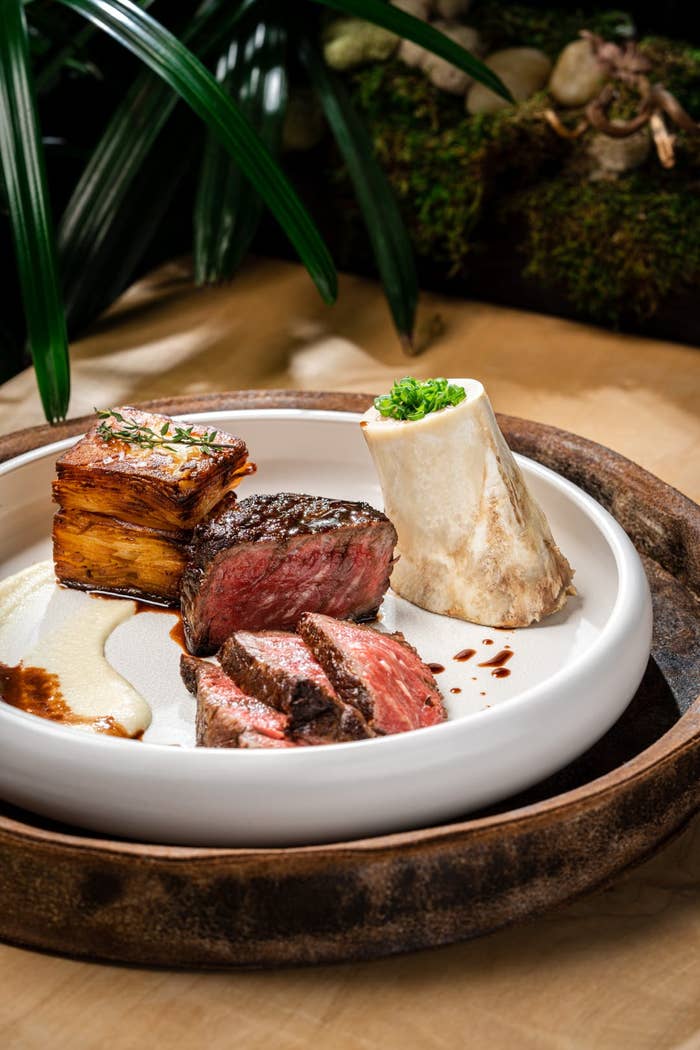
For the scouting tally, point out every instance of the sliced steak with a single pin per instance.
(226, 716)
(379, 674)
(264, 561)
(277, 667)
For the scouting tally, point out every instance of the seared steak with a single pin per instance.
(266, 560)
(277, 667)
(226, 716)
(380, 674)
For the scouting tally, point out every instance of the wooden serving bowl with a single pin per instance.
(62, 890)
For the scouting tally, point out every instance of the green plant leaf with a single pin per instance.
(47, 75)
(186, 75)
(30, 215)
(228, 208)
(422, 33)
(111, 216)
(386, 229)
(123, 192)
(134, 227)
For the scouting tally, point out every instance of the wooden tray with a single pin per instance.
(63, 891)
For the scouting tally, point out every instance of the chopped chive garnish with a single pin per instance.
(414, 398)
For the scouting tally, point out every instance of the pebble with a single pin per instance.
(577, 75)
(351, 42)
(449, 9)
(522, 69)
(417, 8)
(452, 8)
(612, 156)
(443, 74)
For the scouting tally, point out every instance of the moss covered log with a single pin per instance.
(613, 250)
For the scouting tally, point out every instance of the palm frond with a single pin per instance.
(228, 207)
(24, 179)
(186, 75)
(113, 196)
(386, 229)
(49, 72)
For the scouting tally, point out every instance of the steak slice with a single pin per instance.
(226, 716)
(380, 674)
(277, 667)
(264, 561)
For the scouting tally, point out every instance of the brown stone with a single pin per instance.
(524, 71)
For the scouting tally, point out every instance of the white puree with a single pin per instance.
(75, 649)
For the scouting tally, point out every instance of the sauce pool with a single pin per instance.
(38, 692)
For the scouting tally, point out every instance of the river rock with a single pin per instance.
(351, 42)
(443, 74)
(452, 8)
(577, 75)
(522, 69)
(418, 8)
(412, 54)
(613, 157)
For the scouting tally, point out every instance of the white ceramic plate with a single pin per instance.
(571, 677)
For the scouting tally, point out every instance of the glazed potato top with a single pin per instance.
(149, 470)
(151, 452)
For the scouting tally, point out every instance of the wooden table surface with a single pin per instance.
(618, 969)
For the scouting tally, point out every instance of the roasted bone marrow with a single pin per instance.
(480, 548)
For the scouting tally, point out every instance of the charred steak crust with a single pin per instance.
(278, 668)
(227, 717)
(262, 562)
(278, 518)
(189, 666)
(334, 663)
(382, 675)
(298, 697)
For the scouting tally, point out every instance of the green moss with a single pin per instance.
(677, 67)
(615, 249)
(517, 25)
(446, 166)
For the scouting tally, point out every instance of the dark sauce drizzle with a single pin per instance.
(464, 654)
(497, 662)
(38, 692)
(177, 633)
(499, 659)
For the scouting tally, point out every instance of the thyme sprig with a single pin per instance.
(414, 399)
(169, 435)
